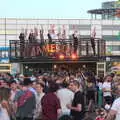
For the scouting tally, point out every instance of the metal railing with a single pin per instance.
(84, 47)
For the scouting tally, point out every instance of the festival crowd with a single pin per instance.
(60, 95)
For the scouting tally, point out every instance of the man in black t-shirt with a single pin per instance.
(77, 107)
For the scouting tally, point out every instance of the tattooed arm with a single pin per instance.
(111, 115)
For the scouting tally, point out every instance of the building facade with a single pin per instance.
(110, 4)
(110, 11)
(108, 30)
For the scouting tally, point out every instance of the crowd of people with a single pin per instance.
(60, 95)
(73, 44)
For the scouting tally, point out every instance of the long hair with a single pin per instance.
(4, 94)
(4, 99)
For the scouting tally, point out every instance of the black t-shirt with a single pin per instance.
(78, 99)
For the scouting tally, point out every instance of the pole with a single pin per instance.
(5, 34)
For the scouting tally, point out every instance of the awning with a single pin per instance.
(5, 48)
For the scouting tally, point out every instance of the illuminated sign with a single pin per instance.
(51, 48)
(38, 50)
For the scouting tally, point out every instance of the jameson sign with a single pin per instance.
(45, 50)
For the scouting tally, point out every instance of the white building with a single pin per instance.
(109, 30)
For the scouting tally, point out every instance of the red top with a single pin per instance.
(50, 105)
(99, 118)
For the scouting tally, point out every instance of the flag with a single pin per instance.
(42, 29)
(59, 33)
(52, 29)
(53, 35)
(26, 32)
(64, 33)
(73, 27)
(36, 31)
(41, 34)
(94, 33)
(49, 36)
(92, 39)
(31, 31)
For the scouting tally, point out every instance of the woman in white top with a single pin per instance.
(114, 113)
(4, 104)
(107, 90)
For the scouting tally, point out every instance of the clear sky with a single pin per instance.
(48, 8)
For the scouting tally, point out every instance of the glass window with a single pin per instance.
(11, 21)
(116, 22)
(106, 22)
(10, 32)
(63, 21)
(32, 21)
(2, 26)
(11, 37)
(85, 32)
(21, 21)
(107, 32)
(10, 26)
(22, 26)
(115, 48)
(111, 37)
(74, 21)
(43, 21)
(2, 21)
(96, 22)
(85, 22)
(2, 32)
(53, 21)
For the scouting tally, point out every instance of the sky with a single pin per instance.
(48, 9)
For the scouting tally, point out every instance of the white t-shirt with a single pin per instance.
(100, 85)
(38, 110)
(116, 107)
(3, 114)
(65, 96)
(107, 86)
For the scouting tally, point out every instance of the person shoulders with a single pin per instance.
(117, 101)
(50, 99)
(79, 96)
(42, 94)
(106, 84)
(48, 96)
(64, 91)
(65, 94)
(18, 95)
(79, 93)
(116, 104)
(33, 90)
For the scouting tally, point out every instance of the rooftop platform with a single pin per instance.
(86, 50)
